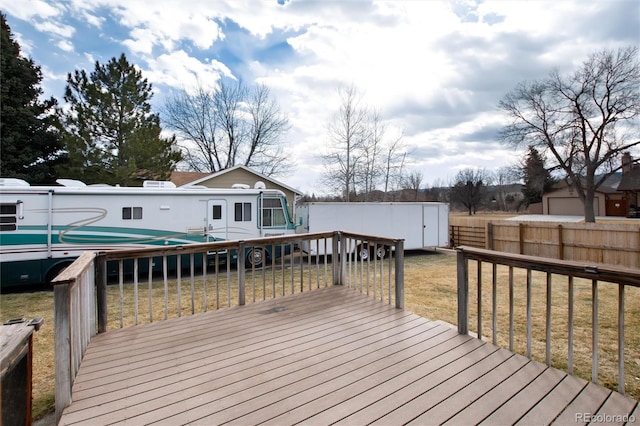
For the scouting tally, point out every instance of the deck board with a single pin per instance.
(325, 356)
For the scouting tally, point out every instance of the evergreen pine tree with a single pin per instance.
(109, 131)
(30, 148)
(537, 179)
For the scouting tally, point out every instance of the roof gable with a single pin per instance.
(259, 176)
(183, 178)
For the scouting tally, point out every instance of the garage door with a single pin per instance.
(569, 206)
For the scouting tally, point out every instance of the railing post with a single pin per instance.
(101, 291)
(463, 293)
(399, 249)
(241, 273)
(621, 338)
(62, 349)
(336, 260)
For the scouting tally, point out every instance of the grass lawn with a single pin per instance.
(430, 291)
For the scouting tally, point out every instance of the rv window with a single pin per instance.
(129, 213)
(216, 213)
(272, 213)
(243, 212)
(8, 217)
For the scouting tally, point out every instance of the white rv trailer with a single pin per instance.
(44, 228)
(421, 225)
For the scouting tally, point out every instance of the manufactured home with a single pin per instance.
(421, 225)
(44, 228)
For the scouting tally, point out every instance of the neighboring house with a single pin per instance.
(617, 196)
(630, 185)
(235, 175)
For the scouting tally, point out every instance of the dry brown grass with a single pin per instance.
(430, 291)
(34, 305)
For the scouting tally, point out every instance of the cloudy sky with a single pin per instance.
(434, 69)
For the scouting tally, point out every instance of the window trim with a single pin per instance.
(134, 213)
(11, 217)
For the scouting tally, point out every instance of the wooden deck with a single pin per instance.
(322, 357)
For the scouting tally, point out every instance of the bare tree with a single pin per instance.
(229, 126)
(414, 182)
(358, 156)
(370, 170)
(227, 103)
(585, 120)
(394, 159)
(268, 124)
(191, 116)
(503, 178)
(347, 133)
(469, 188)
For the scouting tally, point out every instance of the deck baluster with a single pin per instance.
(548, 321)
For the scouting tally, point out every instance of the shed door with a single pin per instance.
(216, 220)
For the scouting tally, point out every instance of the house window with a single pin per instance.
(273, 213)
(129, 213)
(243, 212)
(8, 217)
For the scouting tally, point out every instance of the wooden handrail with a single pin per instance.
(594, 272)
(599, 271)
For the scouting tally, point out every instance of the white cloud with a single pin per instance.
(167, 24)
(65, 45)
(30, 9)
(433, 68)
(181, 71)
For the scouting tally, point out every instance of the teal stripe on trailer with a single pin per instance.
(103, 235)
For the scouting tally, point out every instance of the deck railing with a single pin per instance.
(74, 319)
(522, 267)
(115, 289)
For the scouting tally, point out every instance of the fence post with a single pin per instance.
(463, 292)
(560, 244)
(399, 266)
(521, 237)
(101, 291)
(241, 272)
(489, 243)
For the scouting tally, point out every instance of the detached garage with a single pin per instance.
(567, 206)
(564, 200)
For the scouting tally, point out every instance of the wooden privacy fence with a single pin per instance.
(615, 244)
(152, 284)
(519, 291)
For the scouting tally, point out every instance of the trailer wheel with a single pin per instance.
(255, 257)
(382, 252)
(363, 252)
